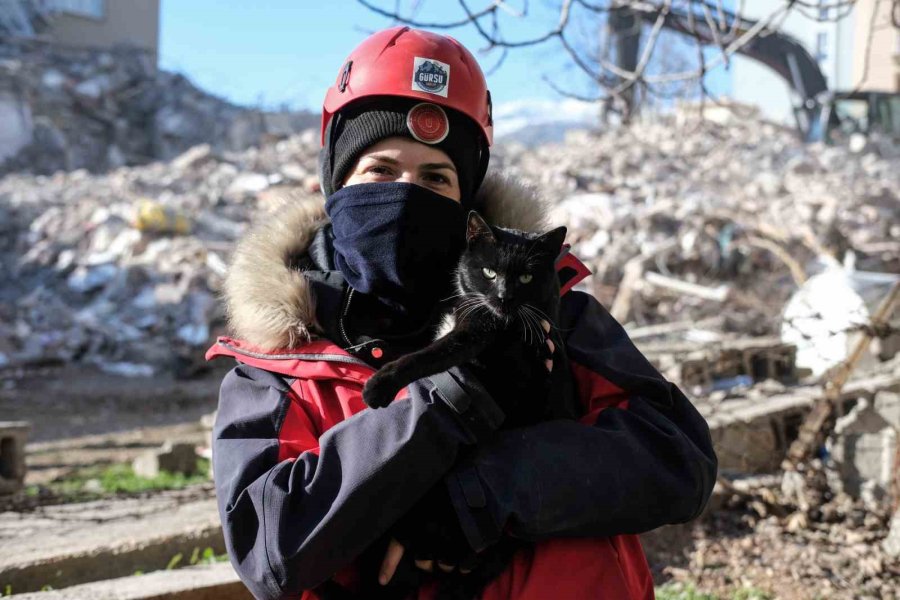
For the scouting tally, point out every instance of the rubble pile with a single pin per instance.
(714, 224)
(121, 269)
(697, 231)
(70, 108)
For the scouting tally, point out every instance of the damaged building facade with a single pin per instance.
(102, 103)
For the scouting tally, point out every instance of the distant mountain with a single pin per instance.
(541, 121)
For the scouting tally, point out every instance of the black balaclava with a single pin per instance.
(371, 120)
(397, 241)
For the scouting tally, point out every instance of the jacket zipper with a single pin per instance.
(344, 314)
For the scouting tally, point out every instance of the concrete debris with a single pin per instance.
(684, 220)
(171, 457)
(715, 363)
(686, 232)
(752, 427)
(891, 544)
(67, 109)
(865, 448)
(13, 435)
(122, 269)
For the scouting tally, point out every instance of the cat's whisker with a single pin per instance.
(452, 296)
(531, 333)
(543, 315)
(465, 303)
(531, 324)
(536, 319)
(538, 329)
(526, 331)
(470, 307)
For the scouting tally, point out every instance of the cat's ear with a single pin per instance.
(553, 240)
(477, 229)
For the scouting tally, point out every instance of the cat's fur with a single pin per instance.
(494, 323)
(506, 284)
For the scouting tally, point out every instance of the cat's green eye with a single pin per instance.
(526, 277)
(489, 273)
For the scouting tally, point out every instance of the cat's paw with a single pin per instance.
(379, 390)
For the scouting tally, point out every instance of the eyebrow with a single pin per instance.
(382, 158)
(434, 166)
(425, 166)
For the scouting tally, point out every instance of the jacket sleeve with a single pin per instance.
(641, 463)
(291, 524)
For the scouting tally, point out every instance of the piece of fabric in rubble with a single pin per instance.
(307, 477)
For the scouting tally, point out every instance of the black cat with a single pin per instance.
(506, 285)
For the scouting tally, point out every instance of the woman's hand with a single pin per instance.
(430, 533)
(431, 528)
(550, 345)
(395, 553)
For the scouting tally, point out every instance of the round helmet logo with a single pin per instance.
(428, 123)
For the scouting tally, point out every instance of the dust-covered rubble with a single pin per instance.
(121, 269)
(68, 108)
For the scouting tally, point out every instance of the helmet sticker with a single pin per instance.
(431, 76)
(428, 123)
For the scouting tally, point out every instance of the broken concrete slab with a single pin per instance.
(206, 582)
(751, 434)
(864, 448)
(13, 435)
(69, 544)
(173, 457)
(47, 461)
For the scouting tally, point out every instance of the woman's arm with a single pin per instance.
(641, 458)
(290, 524)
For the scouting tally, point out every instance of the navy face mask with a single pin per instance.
(397, 241)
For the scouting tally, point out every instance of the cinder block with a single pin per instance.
(172, 457)
(13, 435)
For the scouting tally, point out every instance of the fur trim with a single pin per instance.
(269, 302)
(506, 201)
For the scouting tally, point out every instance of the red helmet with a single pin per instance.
(415, 64)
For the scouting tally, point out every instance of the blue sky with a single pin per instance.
(287, 52)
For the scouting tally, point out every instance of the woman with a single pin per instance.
(307, 478)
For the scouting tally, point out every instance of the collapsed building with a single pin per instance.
(67, 108)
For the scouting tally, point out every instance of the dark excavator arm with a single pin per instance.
(778, 51)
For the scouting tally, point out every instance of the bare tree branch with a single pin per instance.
(708, 23)
(397, 17)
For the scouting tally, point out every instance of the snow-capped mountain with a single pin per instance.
(536, 121)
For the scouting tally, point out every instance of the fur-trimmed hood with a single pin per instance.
(269, 300)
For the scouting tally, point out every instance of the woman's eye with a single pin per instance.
(525, 277)
(437, 178)
(489, 273)
(379, 170)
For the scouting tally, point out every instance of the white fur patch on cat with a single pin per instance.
(446, 326)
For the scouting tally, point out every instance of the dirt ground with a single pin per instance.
(734, 549)
(72, 401)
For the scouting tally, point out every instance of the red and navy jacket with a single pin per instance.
(299, 460)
